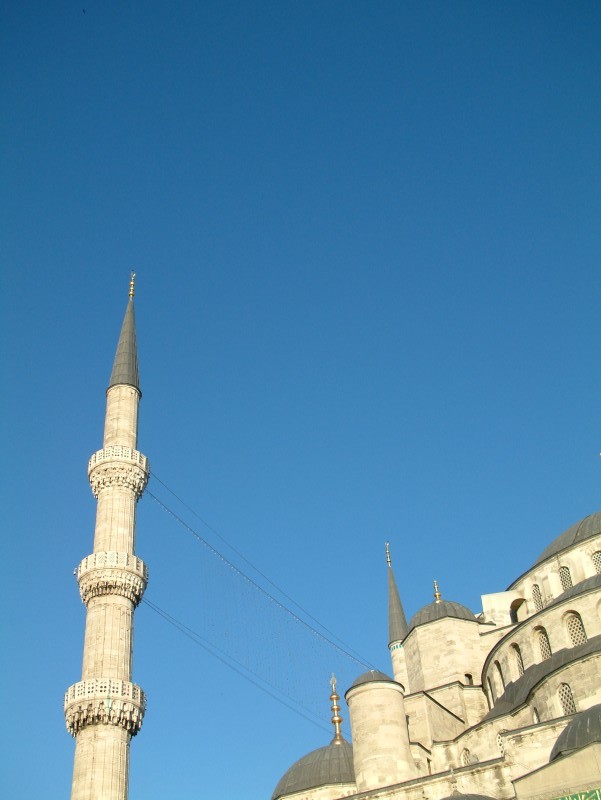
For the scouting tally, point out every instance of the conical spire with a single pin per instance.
(397, 622)
(125, 368)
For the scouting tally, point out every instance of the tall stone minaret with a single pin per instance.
(105, 709)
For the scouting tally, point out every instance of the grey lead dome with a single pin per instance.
(580, 532)
(584, 729)
(458, 795)
(440, 610)
(325, 766)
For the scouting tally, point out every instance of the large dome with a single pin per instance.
(440, 609)
(458, 795)
(328, 765)
(584, 729)
(585, 529)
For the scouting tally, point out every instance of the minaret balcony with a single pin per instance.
(118, 466)
(103, 701)
(112, 573)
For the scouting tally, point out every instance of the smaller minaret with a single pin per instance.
(397, 626)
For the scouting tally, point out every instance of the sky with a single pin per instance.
(367, 246)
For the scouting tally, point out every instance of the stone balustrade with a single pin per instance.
(104, 701)
(112, 573)
(118, 466)
(118, 453)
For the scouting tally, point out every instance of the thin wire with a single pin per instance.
(357, 656)
(227, 660)
(253, 583)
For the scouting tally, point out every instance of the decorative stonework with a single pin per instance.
(112, 573)
(106, 702)
(118, 466)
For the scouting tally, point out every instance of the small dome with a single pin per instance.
(325, 766)
(369, 676)
(439, 610)
(584, 729)
(456, 795)
(580, 532)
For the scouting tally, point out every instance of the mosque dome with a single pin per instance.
(372, 675)
(580, 532)
(440, 609)
(325, 766)
(458, 795)
(584, 729)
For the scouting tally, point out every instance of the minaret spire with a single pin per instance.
(105, 709)
(397, 622)
(125, 367)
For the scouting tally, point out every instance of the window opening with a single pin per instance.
(518, 660)
(543, 643)
(575, 628)
(565, 578)
(566, 699)
(537, 598)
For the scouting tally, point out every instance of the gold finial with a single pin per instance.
(336, 718)
(132, 284)
(437, 594)
(388, 560)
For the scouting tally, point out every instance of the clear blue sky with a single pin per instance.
(367, 243)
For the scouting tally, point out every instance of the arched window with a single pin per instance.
(543, 643)
(575, 628)
(596, 559)
(566, 699)
(465, 757)
(500, 744)
(565, 578)
(535, 715)
(537, 598)
(469, 679)
(500, 674)
(517, 659)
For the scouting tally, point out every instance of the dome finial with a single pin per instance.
(388, 559)
(132, 285)
(336, 718)
(437, 595)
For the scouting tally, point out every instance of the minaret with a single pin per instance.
(397, 626)
(105, 709)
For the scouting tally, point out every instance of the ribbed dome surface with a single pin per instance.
(440, 610)
(322, 767)
(584, 729)
(580, 532)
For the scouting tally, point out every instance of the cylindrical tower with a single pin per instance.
(381, 751)
(105, 709)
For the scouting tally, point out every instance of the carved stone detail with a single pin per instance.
(112, 573)
(106, 702)
(118, 466)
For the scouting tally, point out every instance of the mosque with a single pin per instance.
(503, 703)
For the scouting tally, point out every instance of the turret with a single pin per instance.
(381, 752)
(105, 709)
